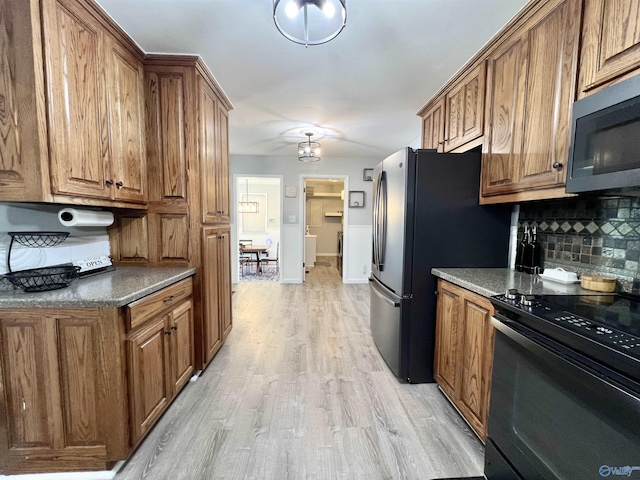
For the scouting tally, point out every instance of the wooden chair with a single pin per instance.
(266, 261)
(245, 259)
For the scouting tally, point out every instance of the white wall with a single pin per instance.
(327, 242)
(81, 243)
(357, 245)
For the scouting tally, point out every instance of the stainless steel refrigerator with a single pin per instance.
(425, 214)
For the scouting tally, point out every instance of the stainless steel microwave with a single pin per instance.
(604, 154)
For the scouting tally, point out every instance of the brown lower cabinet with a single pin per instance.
(80, 387)
(464, 352)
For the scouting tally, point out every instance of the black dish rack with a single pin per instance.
(44, 278)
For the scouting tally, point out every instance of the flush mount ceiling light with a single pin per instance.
(309, 151)
(247, 207)
(310, 22)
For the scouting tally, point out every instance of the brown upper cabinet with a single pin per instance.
(433, 126)
(74, 88)
(531, 83)
(213, 154)
(610, 43)
(464, 109)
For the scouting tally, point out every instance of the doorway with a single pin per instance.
(324, 218)
(257, 233)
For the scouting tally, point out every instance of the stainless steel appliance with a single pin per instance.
(565, 390)
(603, 155)
(425, 215)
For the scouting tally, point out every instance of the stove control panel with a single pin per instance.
(608, 336)
(531, 307)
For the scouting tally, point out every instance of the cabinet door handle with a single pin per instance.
(109, 182)
(167, 332)
(168, 299)
(119, 184)
(557, 165)
(221, 237)
(174, 327)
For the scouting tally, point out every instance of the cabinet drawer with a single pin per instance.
(140, 310)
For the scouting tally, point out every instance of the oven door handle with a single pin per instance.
(547, 350)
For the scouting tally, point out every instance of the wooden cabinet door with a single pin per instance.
(182, 362)
(51, 390)
(464, 107)
(207, 134)
(610, 42)
(127, 128)
(433, 127)
(531, 86)
(477, 347)
(222, 166)
(211, 297)
(149, 367)
(77, 101)
(166, 143)
(224, 280)
(447, 362)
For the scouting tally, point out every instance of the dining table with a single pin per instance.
(257, 250)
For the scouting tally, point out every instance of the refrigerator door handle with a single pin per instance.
(376, 223)
(376, 289)
(382, 227)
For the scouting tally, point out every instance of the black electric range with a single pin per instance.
(603, 327)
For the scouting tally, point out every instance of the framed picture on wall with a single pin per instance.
(367, 175)
(356, 199)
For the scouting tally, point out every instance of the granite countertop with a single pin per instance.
(494, 281)
(112, 289)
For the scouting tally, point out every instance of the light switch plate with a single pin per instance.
(292, 219)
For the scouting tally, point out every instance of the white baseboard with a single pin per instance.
(101, 475)
(356, 280)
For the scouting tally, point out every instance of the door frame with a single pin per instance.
(345, 217)
(235, 231)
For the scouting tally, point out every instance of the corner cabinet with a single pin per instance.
(75, 133)
(610, 43)
(531, 84)
(464, 352)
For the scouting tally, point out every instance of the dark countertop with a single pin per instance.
(112, 289)
(494, 281)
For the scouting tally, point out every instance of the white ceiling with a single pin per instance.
(364, 87)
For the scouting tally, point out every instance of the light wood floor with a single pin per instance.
(299, 391)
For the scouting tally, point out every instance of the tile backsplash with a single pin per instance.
(587, 234)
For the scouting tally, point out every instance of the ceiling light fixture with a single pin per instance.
(310, 22)
(309, 151)
(247, 207)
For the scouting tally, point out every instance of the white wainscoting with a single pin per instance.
(291, 254)
(357, 247)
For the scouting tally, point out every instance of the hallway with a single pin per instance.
(299, 391)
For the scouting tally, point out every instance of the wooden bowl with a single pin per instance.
(598, 283)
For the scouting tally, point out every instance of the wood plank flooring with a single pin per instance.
(299, 391)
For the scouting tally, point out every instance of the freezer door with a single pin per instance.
(386, 323)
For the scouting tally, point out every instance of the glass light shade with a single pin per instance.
(310, 22)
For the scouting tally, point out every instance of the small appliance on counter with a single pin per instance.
(425, 215)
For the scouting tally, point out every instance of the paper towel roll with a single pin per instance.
(72, 217)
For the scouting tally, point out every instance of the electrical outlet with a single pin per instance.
(364, 268)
